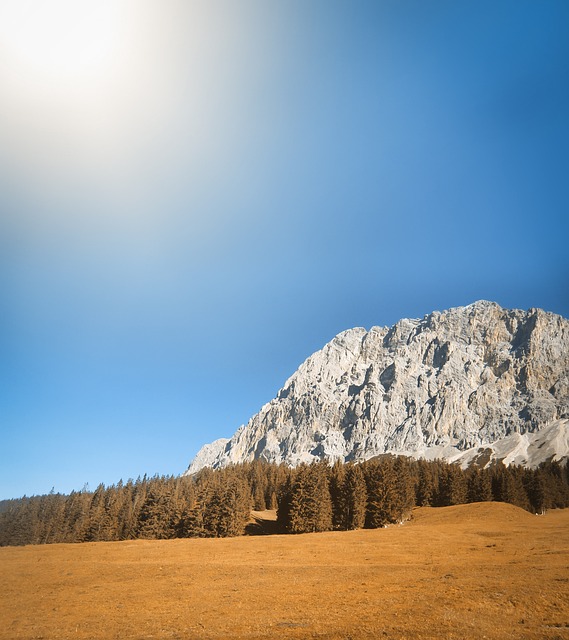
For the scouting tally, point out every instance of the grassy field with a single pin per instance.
(472, 571)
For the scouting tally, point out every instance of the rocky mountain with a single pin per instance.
(470, 384)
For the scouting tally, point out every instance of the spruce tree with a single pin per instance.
(479, 486)
(155, 520)
(76, 516)
(507, 486)
(426, 491)
(337, 494)
(452, 486)
(405, 488)
(310, 504)
(284, 500)
(354, 498)
(382, 499)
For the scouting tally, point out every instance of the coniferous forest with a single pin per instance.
(308, 498)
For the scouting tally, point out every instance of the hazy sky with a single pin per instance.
(195, 196)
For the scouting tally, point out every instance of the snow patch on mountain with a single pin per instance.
(528, 449)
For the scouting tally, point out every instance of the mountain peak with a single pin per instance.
(452, 382)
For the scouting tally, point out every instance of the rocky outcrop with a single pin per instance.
(208, 455)
(448, 383)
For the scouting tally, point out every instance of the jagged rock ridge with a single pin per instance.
(449, 385)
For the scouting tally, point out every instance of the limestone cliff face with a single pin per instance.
(450, 382)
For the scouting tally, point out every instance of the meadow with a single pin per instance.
(483, 570)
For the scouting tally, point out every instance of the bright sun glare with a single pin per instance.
(99, 88)
(59, 41)
(68, 80)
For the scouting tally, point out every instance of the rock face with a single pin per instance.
(449, 385)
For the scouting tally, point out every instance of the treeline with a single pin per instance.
(210, 504)
(384, 491)
(308, 498)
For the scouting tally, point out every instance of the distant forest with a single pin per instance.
(308, 498)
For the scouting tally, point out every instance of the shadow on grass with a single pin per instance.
(260, 526)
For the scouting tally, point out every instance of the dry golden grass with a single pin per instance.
(473, 571)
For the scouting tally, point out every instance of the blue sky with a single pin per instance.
(196, 196)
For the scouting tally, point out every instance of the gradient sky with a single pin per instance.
(196, 196)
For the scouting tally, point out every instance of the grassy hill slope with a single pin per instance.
(471, 571)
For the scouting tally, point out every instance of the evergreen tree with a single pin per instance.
(273, 502)
(452, 486)
(76, 516)
(284, 500)
(507, 486)
(51, 518)
(191, 523)
(155, 519)
(426, 489)
(20, 523)
(538, 492)
(226, 507)
(555, 482)
(259, 485)
(98, 523)
(405, 488)
(127, 512)
(308, 498)
(382, 497)
(354, 498)
(310, 502)
(337, 494)
(479, 486)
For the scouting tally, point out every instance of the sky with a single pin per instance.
(197, 195)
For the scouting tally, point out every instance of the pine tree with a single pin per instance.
(191, 522)
(127, 514)
(51, 518)
(237, 506)
(226, 507)
(20, 524)
(382, 498)
(337, 494)
(309, 498)
(284, 501)
(426, 490)
(507, 486)
(405, 488)
(479, 486)
(155, 518)
(77, 516)
(538, 492)
(354, 498)
(259, 485)
(556, 484)
(273, 502)
(452, 486)
(310, 503)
